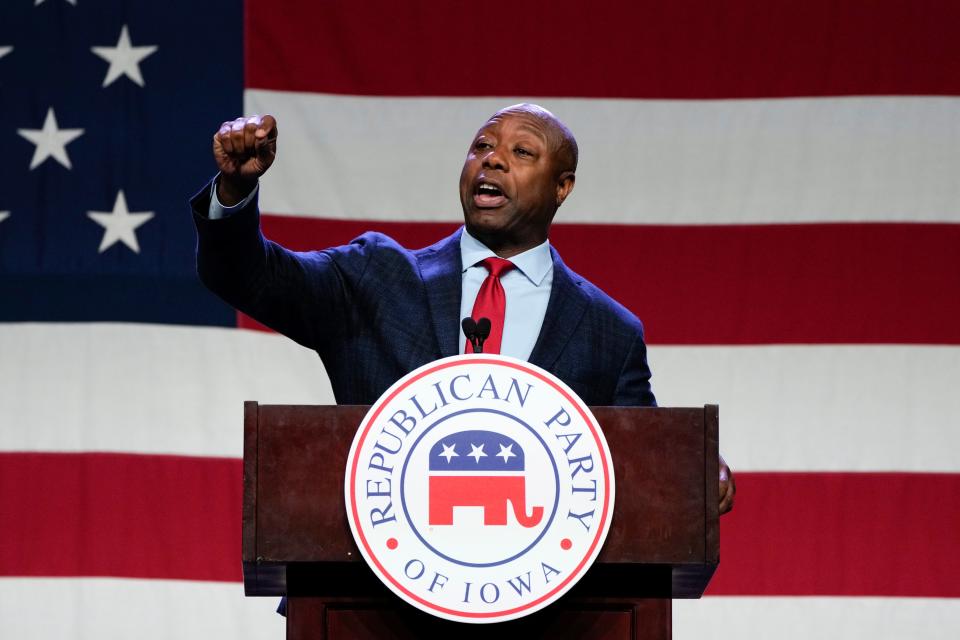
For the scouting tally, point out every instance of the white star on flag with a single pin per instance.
(449, 452)
(51, 141)
(5, 50)
(119, 224)
(506, 453)
(39, 2)
(4, 215)
(476, 452)
(124, 59)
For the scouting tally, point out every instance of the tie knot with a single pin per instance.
(497, 266)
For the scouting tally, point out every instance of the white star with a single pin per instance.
(119, 224)
(51, 141)
(38, 2)
(476, 453)
(449, 452)
(5, 50)
(123, 58)
(506, 453)
(4, 215)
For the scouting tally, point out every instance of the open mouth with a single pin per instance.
(488, 195)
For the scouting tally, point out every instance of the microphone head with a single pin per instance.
(483, 328)
(469, 326)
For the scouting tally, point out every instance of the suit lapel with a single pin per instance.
(441, 272)
(565, 309)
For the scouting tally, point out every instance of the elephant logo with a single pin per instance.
(479, 469)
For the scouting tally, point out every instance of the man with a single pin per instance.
(374, 311)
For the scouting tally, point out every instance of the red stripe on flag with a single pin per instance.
(646, 49)
(740, 284)
(870, 534)
(109, 514)
(879, 534)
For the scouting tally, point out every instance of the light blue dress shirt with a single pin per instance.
(527, 287)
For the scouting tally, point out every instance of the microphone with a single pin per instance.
(483, 329)
(470, 330)
(469, 327)
(476, 332)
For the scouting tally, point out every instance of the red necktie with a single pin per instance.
(491, 303)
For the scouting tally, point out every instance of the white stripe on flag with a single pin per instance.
(822, 407)
(144, 388)
(169, 389)
(642, 162)
(96, 608)
(159, 609)
(803, 618)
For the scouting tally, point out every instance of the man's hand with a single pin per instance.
(728, 487)
(244, 149)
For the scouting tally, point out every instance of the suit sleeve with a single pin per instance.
(301, 295)
(633, 383)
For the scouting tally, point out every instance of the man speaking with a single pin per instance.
(375, 311)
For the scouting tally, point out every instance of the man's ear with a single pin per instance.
(565, 186)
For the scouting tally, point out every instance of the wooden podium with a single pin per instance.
(663, 543)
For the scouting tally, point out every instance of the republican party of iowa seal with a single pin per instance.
(479, 488)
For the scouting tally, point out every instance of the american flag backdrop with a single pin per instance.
(772, 186)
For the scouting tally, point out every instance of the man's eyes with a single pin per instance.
(484, 145)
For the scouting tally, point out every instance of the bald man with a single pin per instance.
(374, 311)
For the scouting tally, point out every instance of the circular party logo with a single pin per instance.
(479, 488)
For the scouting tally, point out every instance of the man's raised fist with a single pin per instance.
(244, 149)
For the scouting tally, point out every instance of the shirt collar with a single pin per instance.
(533, 263)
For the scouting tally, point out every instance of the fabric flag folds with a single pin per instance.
(770, 186)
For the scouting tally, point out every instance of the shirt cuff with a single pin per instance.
(218, 211)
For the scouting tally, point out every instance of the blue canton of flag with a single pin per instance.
(107, 112)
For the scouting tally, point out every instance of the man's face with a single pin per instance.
(511, 186)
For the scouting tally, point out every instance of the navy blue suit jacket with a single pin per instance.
(375, 311)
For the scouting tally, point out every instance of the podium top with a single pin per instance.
(663, 540)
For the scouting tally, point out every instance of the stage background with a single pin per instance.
(771, 186)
